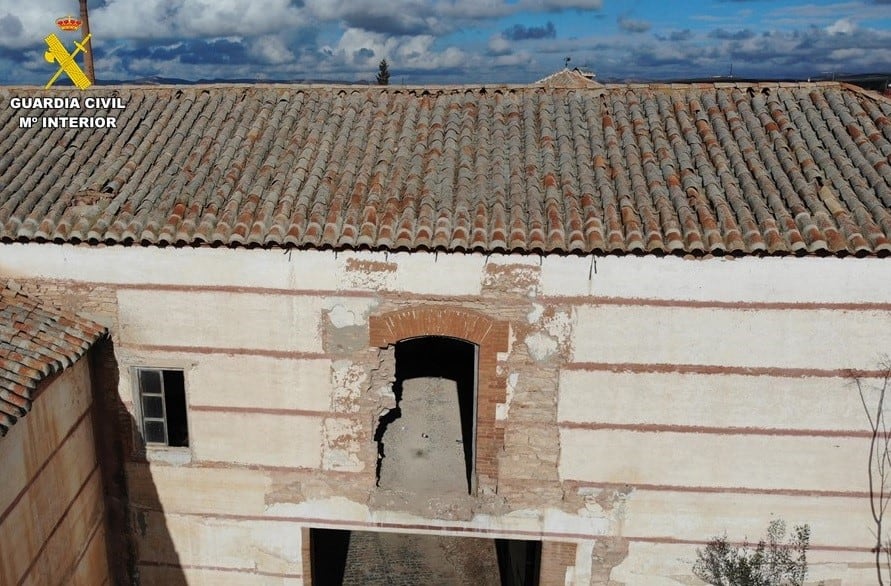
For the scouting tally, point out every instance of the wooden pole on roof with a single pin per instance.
(88, 53)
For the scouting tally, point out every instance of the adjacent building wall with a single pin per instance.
(52, 528)
(643, 405)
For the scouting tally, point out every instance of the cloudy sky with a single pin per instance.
(455, 41)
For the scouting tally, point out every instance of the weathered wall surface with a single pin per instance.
(648, 405)
(52, 527)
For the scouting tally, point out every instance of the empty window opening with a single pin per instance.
(426, 444)
(162, 402)
(365, 558)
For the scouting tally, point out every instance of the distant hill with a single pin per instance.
(879, 82)
(158, 80)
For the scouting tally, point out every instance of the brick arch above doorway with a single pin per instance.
(491, 336)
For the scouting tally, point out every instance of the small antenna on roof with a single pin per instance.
(566, 62)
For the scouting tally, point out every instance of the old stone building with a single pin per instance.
(598, 325)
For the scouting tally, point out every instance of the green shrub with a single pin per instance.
(770, 563)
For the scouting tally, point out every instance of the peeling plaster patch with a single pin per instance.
(607, 554)
(342, 317)
(584, 553)
(341, 447)
(370, 266)
(382, 378)
(599, 501)
(523, 280)
(541, 346)
(536, 313)
(336, 509)
(347, 379)
(502, 409)
(557, 521)
(345, 329)
(367, 274)
(559, 326)
(511, 338)
(592, 507)
(284, 491)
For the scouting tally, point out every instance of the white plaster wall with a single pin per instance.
(823, 339)
(750, 279)
(264, 546)
(273, 440)
(692, 515)
(308, 270)
(711, 460)
(710, 400)
(261, 382)
(221, 491)
(220, 320)
(780, 279)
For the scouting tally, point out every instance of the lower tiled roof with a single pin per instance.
(36, 341)
(663, 169)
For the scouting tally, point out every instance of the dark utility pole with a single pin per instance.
(88, 46)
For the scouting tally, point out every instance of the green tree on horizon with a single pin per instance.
(383, 73)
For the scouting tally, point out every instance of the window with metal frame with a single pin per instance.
(162, 402)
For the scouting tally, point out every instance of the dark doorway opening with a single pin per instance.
(424, 415)
(362, 558)
(519, 562)
(328, 556)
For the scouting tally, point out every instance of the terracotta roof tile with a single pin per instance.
(566, 166)
(36, 341)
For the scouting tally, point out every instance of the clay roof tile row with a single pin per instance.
(563, 168)
(36, 341)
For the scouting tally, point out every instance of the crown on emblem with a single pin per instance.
(68, 23)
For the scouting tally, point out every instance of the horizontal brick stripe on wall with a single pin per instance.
(660, 428)
(634, 367)
(792, 492)
(570, 300)
(295, 355)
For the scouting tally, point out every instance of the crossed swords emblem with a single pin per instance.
(58, 53)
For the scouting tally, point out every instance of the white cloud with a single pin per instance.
(270, 49)
(27, 23)
(411, 52)
(842, 26)
(498, 45)
(143, 19)
(425, 17)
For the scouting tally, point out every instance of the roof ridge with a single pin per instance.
(533, 86)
